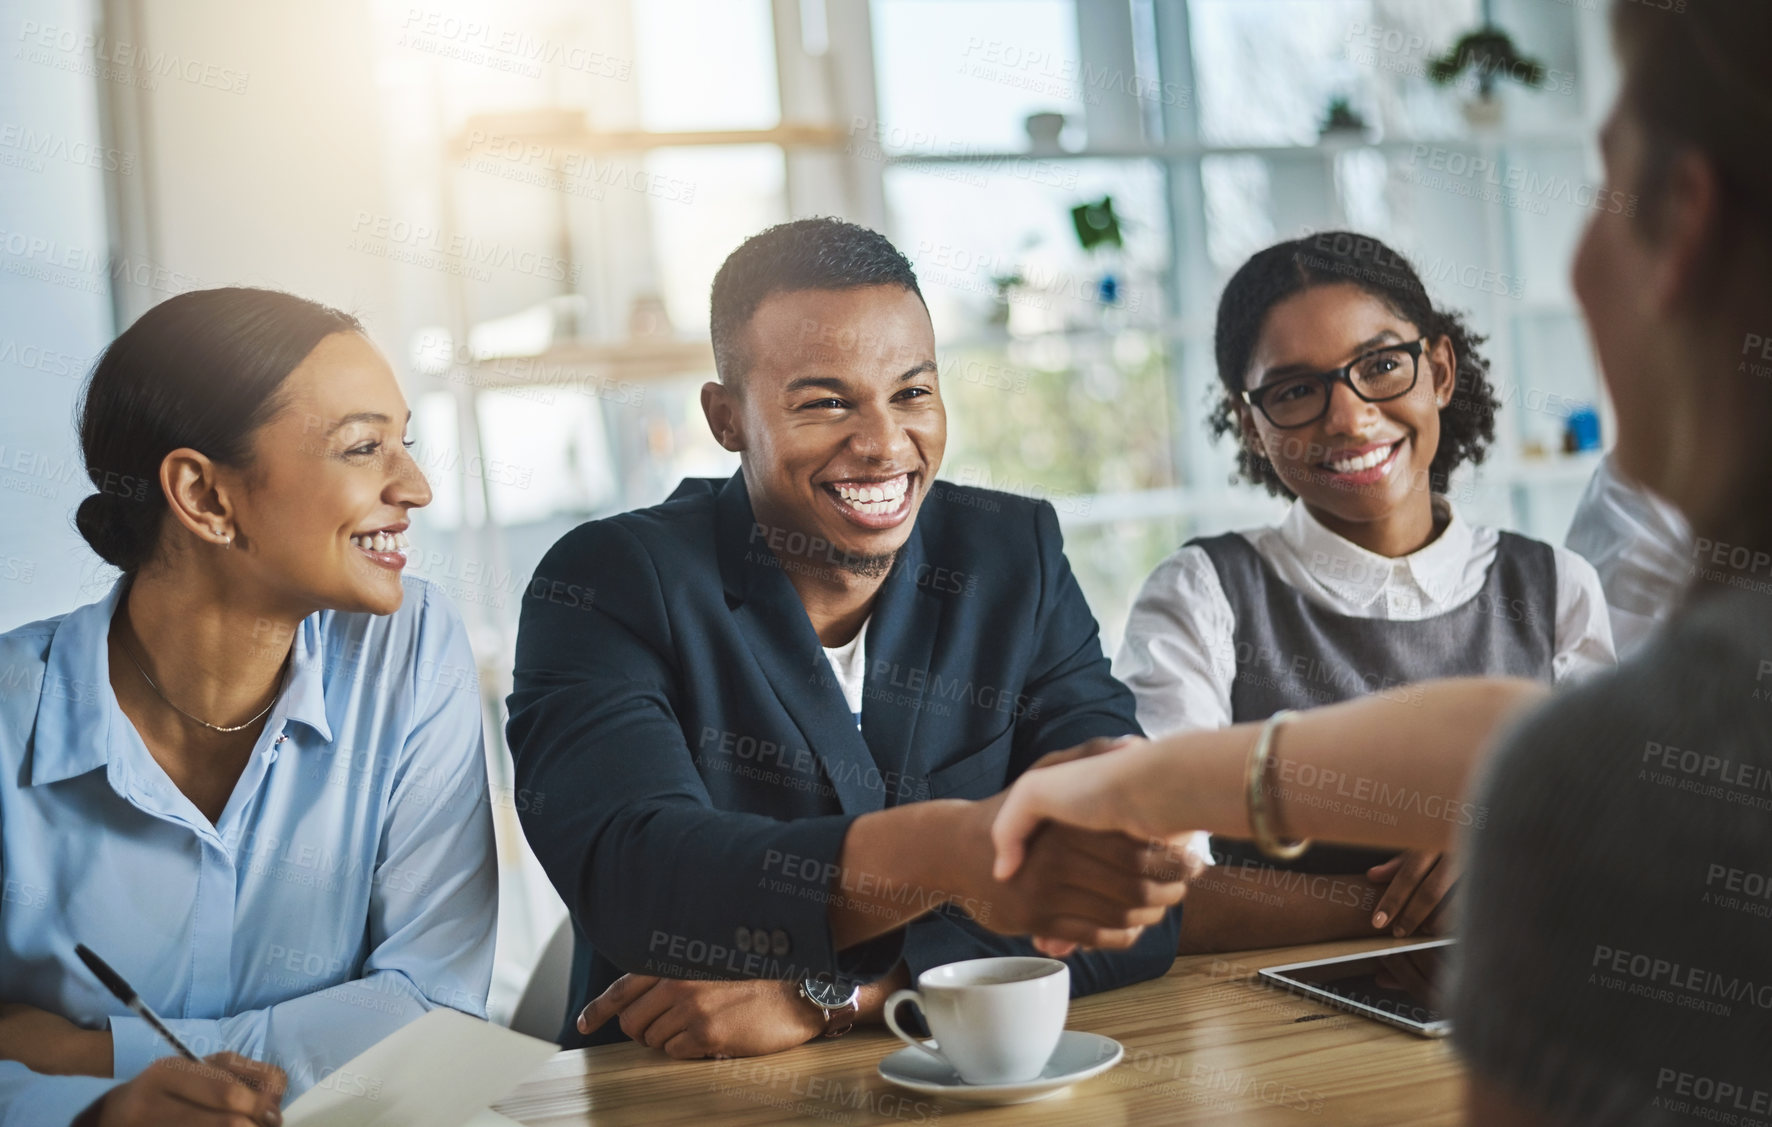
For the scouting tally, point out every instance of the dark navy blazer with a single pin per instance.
(690, 764)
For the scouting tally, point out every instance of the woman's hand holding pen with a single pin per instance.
(223, 1090)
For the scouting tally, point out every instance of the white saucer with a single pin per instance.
(1078, 1057)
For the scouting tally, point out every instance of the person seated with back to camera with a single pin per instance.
(1351, 393)
(773, 715)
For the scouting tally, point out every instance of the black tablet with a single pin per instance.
(1399, 985)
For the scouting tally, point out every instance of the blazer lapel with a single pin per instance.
(900, 666)
(769, 613)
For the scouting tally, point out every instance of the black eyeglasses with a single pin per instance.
(1384, 373)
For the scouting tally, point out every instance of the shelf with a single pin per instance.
(1572, 138)
(566, 131)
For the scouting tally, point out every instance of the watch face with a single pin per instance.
(828, 994)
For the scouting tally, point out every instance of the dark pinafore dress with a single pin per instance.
(1291, 653)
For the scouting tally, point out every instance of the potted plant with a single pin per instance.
(1341, 120)
(1491, 54)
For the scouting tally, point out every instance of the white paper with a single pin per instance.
(442, 1070)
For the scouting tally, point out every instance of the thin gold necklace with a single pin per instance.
(186, 715)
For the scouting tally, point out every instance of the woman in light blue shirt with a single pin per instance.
(251, 777)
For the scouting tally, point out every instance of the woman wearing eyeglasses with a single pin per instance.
(1352, 394)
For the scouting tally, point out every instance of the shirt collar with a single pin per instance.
(76, 706)
(1358, 576)
(304, 695)
(75, 702)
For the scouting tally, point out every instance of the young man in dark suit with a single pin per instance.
(771, 719)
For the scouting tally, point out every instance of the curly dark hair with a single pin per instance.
(821, 253)
(1467, 423)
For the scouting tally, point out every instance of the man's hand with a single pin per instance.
(1104, 785)
(51, 1044)
(1420, 884)
(224, 1090)
(1090, 884)
(689, 1019)
(1075, 887)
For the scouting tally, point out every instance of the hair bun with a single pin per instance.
(103, 522)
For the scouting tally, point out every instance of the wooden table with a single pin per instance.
(1204, 1044)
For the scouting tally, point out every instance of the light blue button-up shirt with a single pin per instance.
(349, 885)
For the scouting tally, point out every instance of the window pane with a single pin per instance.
(968, 72)
(708, 64)
(1060, 418)
(709, 201)
(1266, 71)
(1239, 219)
(969, 228)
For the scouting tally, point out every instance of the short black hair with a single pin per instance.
(822, 253)
(1467, 423)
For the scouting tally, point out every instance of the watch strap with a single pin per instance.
(838, 1020)
(842, 1019)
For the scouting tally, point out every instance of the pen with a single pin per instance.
(127, 995)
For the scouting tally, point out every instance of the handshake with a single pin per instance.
(1063, 873)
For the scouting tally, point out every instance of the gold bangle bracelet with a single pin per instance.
(1260, 826)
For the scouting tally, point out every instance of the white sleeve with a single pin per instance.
(1178, 655)
(1641, 547)
(1584, 626)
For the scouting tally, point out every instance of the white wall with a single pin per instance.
(55, 309)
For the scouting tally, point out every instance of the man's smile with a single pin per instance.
(873, 503)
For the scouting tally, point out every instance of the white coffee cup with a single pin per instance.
(996, 1021)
